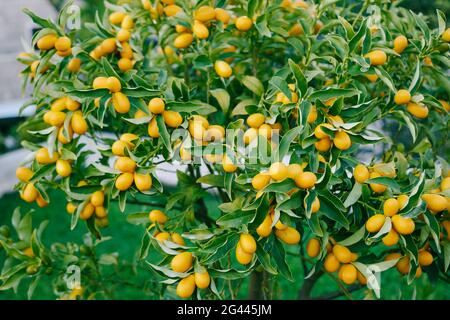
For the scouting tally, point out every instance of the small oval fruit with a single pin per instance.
(391, 207)
(78, 123)
(172, 118)
(402, 97)
(157, 216)
(377, 187)
(176, 238)
(425, 258)
(24, 174)
(125, 164)
(114, 84)
(153, 130)
(223, 69)
(202, 280)
(361, 173)
(29, 193)
(71, 208)
(205, 13)
(418, 110)
(391, 238)
(228, 164)
(260, 181)
(306, 180)
(348, 273)
(244, 23)
(400, 44)
(182, 41)
(435, 202)
(63, 44)
(116, 17)
(87, 211)
(124, 181)
(402, 201)
(241, 256)
(403, 265)
(121, 102)
(186, 287)
(377, 57)
(403, 225)
(143, 182)
(100, 212)
(47, 42)
(319, 133)
(182, 262)
(288, 235)
(247, 242)
(63, 168)
(98, 198)
(74, 65)
(375, 223)
(42, 156)
(278, 171)
(343, 254)
(313, 247)
(323, 145)
(265, 228)
(294, 169)
(255, 120)
(156, 106)
(342, 140)
(200, 30)
(331, 263)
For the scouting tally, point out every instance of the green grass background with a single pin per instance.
(126, 239)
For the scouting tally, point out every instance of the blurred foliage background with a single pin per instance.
(394, 286)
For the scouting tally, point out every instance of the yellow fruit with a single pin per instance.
(403, 225)
(157, 216)
(116, 17)
(403, 265)
(186, 287)
(244, 23)
(47, 42)
(24, 174)
(59, 104)
(72, 104)
(391, 207)
(87, 211)
(125, 64)
(43, 157)
(250, 135)
(376, 187)
(78, 123)
(400, 44)
(372, 77)
(402, 201)
(100, 83)
(223, 69)
(446, 35)
(425, 258)
(294, 170)
(260, 180)
(323, 145)
(278, 171)
(156, 106)
(312, 115)
(121, 102)
(228, 164)
(118, 148)
(445, 104)
(176, 238)
(241, 256)
(124, 181)
(319, 133)
(196, 130)
(376, 57)
(200, 30)
(114, 84)
(445, 184)
(143, 182)
(54, 118)
(331, 263)
(255, 120)
(153, 130)
(127, 23)
(418, 110)
(204, 13)
(108, 46)
(100, 212)
(348, 273)
(288, 235)
(162, 236)
(62, 138)
(214, 133)
(343, 254)
(315, 205)
(29, 193)
(125, 164)
(63, 44)
(123, 35)
(172, 10)
(202, 280)
(222, 15)
(184, 40)
(182, 262)
(74, 65)
(361, 173)
(402, 97)
(63, 168)
(265, 228)
(342, 140)
(362, 280)
(247, 242)
(435, 202)
(391, 238)
(306, 180)
(71, 208)
(313, 247)
(172, 118)
(127, 51)
(98, 198)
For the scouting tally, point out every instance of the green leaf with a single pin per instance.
(386, 181)
(285, 143)
(223, 98)
(354, 195)
(212, 180)
(264, 257)
(163, 133)
(354, 238)
(281, 85)
(302, 83)
(358, 36)
(329, 93)
(253, 84)
(193, 106)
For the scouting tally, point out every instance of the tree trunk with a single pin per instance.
(255, 287)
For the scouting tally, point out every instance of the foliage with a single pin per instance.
(299, 87)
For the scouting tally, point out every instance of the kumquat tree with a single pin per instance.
(308, 141)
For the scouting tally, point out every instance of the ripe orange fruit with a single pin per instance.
(306, 180)
(202, 280)
(186, 287)
(124, 181)
(244, 23)
(24, 174)
(156, 106)
(400, 44)
(260, 181)
(376, 57)
(402, 97)
(348, 273)
(403, 225)
(223, 69)
(343, 254)
(288, 235)
(182, 262)
(313, 247)
(391, 207)
(331, 263)
(375, 222)
(265, 228)
(361, 173)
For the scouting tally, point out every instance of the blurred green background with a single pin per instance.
(126, 237)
